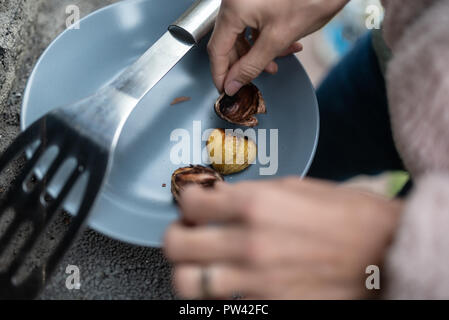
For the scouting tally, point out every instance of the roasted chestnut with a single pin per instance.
(230, 153)
(203, 176)
(242, 107)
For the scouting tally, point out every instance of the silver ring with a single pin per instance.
(205, 284)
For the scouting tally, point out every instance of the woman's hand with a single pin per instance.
(284, 239)
(278, 24)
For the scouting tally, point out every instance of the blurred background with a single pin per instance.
(323, 49)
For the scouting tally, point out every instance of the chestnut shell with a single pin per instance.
(200, 175)
(241, 108)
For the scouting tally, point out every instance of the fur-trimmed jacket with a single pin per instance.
(417, 265)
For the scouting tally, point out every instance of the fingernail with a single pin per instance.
(233, 87)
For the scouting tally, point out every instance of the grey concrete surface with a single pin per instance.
(109, 269)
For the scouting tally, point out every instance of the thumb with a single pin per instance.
(252, 64)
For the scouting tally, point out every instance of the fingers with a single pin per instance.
(202, 206)
(243, 46)
(294, 48)
(224, 203)
(252, 64)
(272, 66)
(220, 46)
(229, 73)
(211, 243)
(224, 280)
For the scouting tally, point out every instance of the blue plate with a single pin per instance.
(133, 205)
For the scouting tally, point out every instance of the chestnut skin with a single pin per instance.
(241, 108)
(200, 175)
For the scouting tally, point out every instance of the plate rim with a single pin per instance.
(100, 227)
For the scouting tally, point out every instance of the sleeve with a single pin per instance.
(418, 92)
(399, 15)
(417, 265)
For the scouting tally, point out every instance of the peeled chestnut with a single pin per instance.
(230, 153)
(203, 176)
(242, 107)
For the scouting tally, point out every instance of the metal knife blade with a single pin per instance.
(150, 68)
